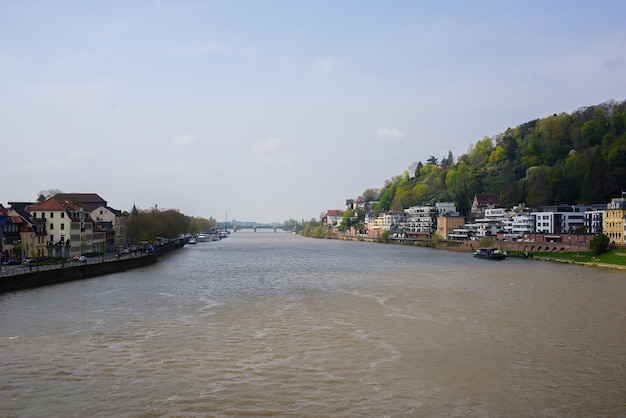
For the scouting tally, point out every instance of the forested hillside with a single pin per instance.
(565, 158)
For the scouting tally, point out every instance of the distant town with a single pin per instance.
(73, 224)
(570, 224)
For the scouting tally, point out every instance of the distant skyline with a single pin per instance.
(271, 110)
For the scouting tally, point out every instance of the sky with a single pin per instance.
(269, 110)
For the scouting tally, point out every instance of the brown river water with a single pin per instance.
(273, 324)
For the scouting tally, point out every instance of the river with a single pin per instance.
(274, 324)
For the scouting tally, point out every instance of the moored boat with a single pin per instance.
(489, 253)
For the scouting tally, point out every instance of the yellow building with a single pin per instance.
(613, 224)
(69, 228)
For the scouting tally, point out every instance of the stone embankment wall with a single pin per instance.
(40, 277)
(470, 245)
(47, 275)
(533, 247)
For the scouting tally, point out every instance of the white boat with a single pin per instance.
(203, 238)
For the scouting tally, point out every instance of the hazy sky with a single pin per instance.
(269, 110)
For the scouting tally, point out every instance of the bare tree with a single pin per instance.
(44, 195)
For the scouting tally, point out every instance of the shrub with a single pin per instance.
(599, 244)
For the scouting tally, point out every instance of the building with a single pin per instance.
(388, 221)
(448, 223)
(522, 223)
(69, 227)
(594, 219)
(419, 221)
(333, 217)
(614, 223)
(113, 222)
(482, 202)
(106, 238)
(3, 220)
(32, 234)
(559, 219)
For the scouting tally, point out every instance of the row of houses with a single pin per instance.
(64, 226)
(488, 219)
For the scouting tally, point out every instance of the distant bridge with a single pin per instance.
(255, 227)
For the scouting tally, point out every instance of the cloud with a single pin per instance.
(389, 134)
(184, 139)
(267, 145)
(326, 64)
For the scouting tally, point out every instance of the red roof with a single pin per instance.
(54, 204)
(487, 199)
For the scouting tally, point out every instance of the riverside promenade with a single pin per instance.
(13, 278)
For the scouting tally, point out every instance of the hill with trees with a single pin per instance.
(577, 158)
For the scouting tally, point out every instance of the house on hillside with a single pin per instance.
(448, 222)
(482, 202)
(333, 217)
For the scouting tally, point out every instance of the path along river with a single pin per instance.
(273, 324)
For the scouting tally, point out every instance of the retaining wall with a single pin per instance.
(77, 272)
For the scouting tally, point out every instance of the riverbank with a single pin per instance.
(46, 275)
(577, 254)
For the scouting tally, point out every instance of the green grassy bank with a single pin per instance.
(615, 258)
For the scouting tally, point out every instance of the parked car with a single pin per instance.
(82, 259)
(11, 262)
(31, 261)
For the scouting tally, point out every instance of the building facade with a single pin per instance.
(69, 228)
(613, 223)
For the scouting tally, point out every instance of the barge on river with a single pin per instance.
(489, 253)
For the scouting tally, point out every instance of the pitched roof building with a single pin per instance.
(484, 201)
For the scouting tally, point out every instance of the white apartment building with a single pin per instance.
(445, 207)
(522, 224)
(594, 220)
(558, 222)
(387, 221)
(420, 219)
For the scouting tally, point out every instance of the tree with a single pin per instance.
(537, 186)
(599, 244)
(591, 132)
(432, 160)
(199, 224)
(370, 195)
(346, 221)
(147, 225)
(47, 194)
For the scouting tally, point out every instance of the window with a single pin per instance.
(62, 226)
(51, 226)
(51, 215)
(62, 214)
